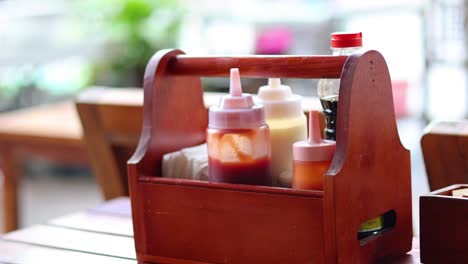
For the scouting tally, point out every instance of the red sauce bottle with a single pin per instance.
(238, 139)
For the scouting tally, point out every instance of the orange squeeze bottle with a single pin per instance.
(312, 158)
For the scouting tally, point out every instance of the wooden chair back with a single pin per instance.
(445, 150)
(111, 119)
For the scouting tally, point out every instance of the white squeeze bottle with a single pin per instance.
(288, 124)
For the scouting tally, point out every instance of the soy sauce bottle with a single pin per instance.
(342, 43)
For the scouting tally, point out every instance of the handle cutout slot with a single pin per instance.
(386, 222)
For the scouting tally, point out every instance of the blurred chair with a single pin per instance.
(51, 131)
(111, 120)
(445, 150)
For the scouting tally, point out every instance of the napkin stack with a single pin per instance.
(188, 163)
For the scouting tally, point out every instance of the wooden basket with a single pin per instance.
(444, 222)
(187, 221)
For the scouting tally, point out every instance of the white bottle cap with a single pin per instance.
(279, 101)
(236, 110)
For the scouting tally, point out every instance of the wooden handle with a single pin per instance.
(170, 73)
(259, 66)
(174, 115)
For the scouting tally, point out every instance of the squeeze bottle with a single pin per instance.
(238, 139)
(312, 158)
(288, 124)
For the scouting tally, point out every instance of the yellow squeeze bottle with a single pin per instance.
(288, 124)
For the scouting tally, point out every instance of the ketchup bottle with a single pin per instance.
(238, 139)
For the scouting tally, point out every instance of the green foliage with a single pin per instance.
(132, 31)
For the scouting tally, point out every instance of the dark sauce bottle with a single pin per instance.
(342, 44)
(330, 108)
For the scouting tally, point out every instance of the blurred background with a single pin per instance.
(51, 50)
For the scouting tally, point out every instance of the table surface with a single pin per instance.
(56, 121)
(99, 235)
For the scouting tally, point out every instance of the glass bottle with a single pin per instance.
(342, 44)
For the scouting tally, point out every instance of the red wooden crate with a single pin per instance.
(444, 226)
(201, 222)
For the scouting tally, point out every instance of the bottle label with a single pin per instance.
(372, 225)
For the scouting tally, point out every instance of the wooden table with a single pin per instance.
(52, 131)
(100, 235)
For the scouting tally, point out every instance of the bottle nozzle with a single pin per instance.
(274, 82)
(236, 99)
(315, 135)
(235, 88)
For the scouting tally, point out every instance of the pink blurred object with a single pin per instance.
(274, 41)
(400, 95)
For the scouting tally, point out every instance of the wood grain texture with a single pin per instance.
(445, 150)
(443, 226)
(103, 162)
(20, 253)
(259, 66)
(412, 257)
(112, 120)
(74, 240)
(49, 131)
(78, 238)
(220, 226)
(94, 222)
(215, 222)
(11, 174)
(161, 132)
(370, 173)
(56, 123)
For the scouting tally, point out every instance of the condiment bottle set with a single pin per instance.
(251, 143)
(241, 136)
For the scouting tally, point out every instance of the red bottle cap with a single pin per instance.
(346, 39)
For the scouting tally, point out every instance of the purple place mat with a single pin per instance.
(118, 206)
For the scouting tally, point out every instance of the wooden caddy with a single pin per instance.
(183, 221)
(443, 232)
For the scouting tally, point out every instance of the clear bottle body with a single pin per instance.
(328, 91)
(241, 156)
